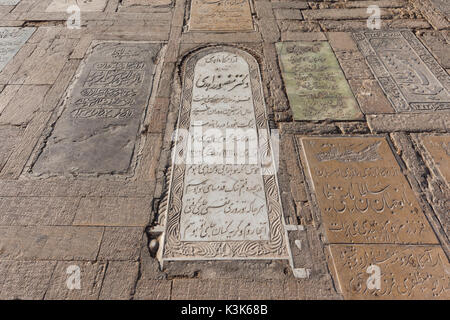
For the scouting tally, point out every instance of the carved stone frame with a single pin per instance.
(387, 83)
(173, 247)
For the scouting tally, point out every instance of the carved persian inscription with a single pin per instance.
(98, 128)
(11, 40)
(224, 200)
(405, 272)
(315, 84)
(362, 194)
(439, 149)
(220, 15)
(408, 74)
(84, 5)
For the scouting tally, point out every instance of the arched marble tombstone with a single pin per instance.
(224, 201)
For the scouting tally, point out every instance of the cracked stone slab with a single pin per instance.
(406, 272)
(221, 15)
(315, 83)
(11, 40)
(98, 128)
(361, 193)
(84, 5)
(217, 209)
(406, 71)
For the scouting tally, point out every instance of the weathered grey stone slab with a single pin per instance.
(98, 128)
(224, 203)
(11, 40)
(9, 2)
(84, 5)
(220, 15)
(408, 74)
(315, 84)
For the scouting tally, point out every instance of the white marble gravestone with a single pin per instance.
(224, 200)
(11, 40)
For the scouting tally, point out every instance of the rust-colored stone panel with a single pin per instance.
(362, 194)
(405, 272)
(222, 15)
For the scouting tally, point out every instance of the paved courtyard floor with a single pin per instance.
(116, 117)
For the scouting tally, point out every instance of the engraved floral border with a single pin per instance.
(386, 81)
(174, 248)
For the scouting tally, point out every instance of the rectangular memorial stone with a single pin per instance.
(408, 74)
(362, 194)
(11, 40)
(405, 272)
(84, 5)
(224, 199)
(439, 149)
(98, 128)
(315, 84)
(220, 15)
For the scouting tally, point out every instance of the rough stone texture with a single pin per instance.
(104, 223)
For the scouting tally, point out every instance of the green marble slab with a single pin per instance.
(315, 84)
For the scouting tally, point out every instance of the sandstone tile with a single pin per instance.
(11, 40)
(362, 194)
(6, 95)
(121, 243)
(153, 290)
(9, 135)
(315, 84)
(288, 14)
(290, 4)
(353, 65)
(91, 278)
(25, 280)
(370, 97)
(22, 107)
(342, 41)
(414, 122)
(299, 26)
(438, 45)
(232, 16)
(45, 63)
(386, 24)
(44, 211)
(342, 14)
(115, 211)
(407, 272)
(120, 280)
(439, 149)
(49, 243)
(302, 36)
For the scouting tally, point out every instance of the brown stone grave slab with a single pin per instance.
(439, 149)
(406, 272)
(408, 74)
(361, 192)
(224, 201)
(98, 129)
(220, 15)
(315, 84)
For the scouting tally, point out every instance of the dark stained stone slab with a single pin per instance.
(11, 40)
(408, 74)
(223, 204)
(315, 84)
(362, 194)
(97, 131)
